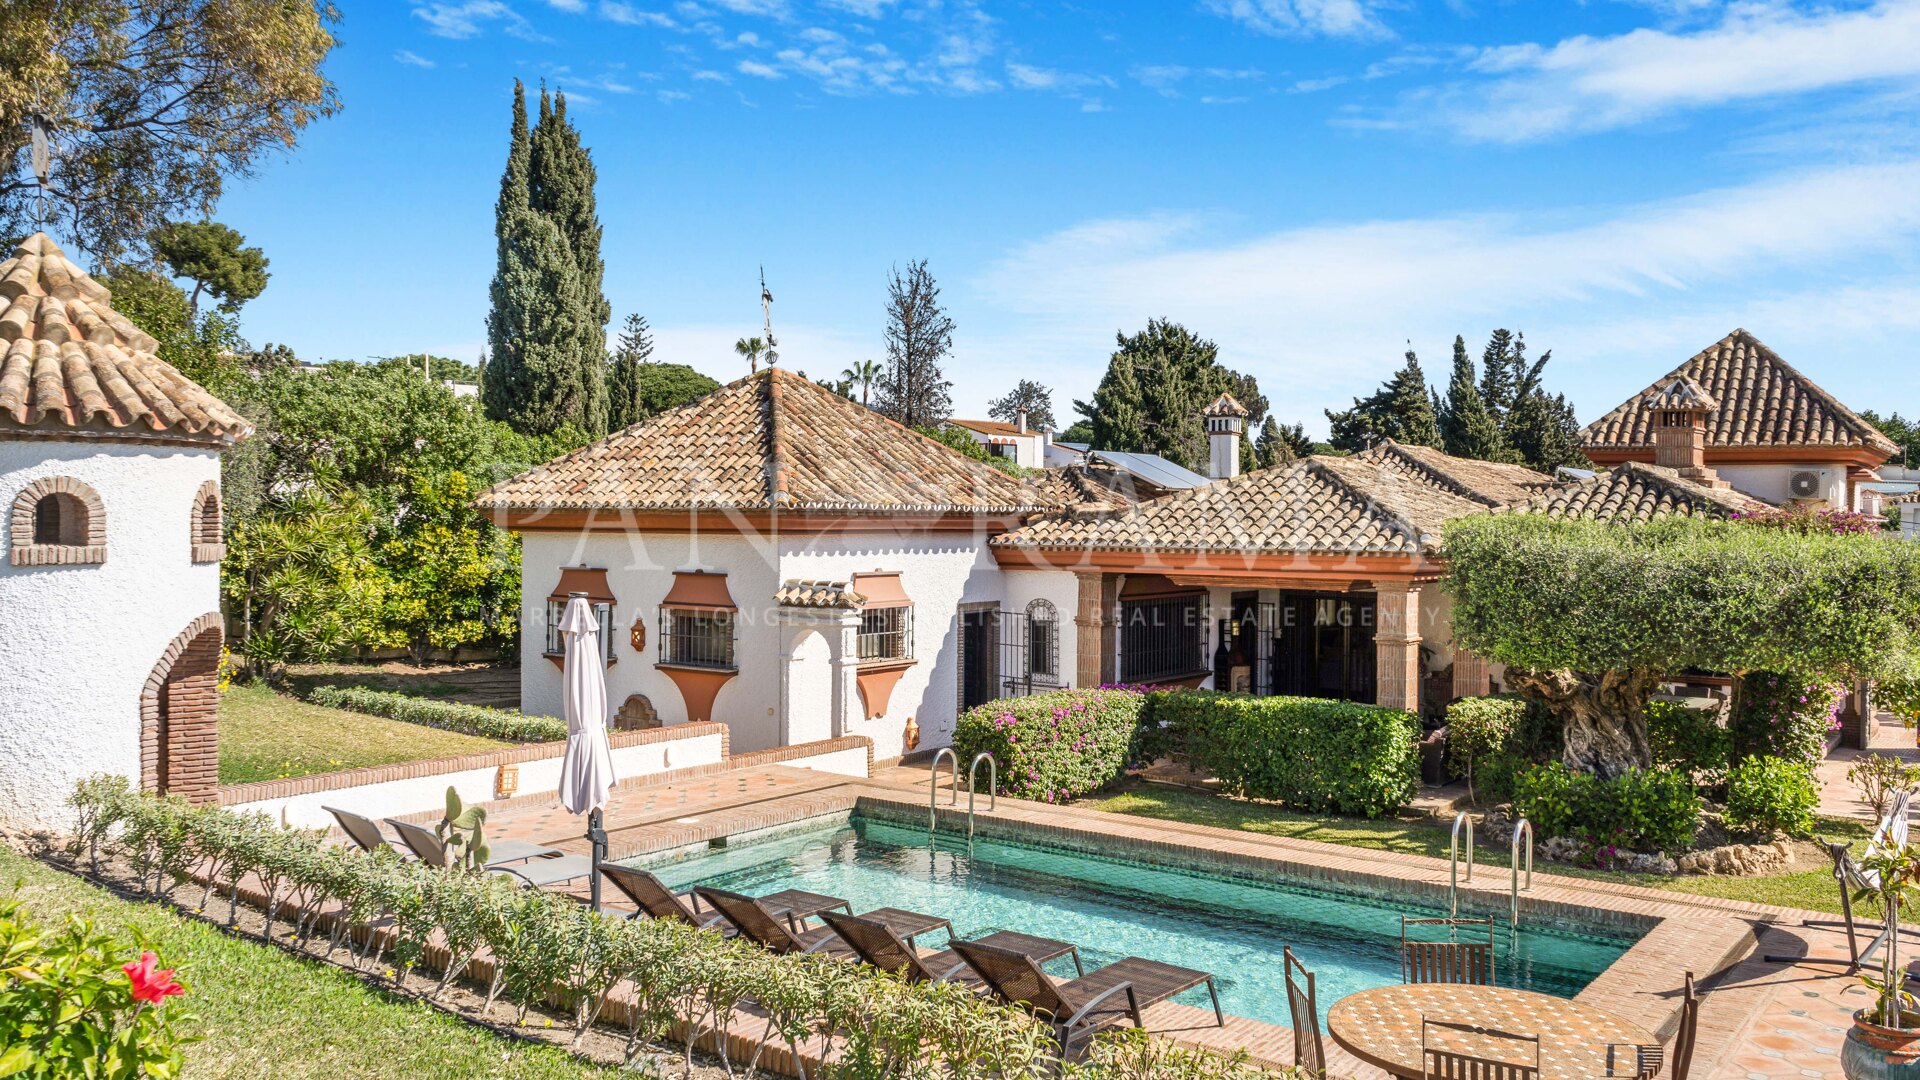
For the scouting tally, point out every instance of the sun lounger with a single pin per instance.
(365, 832)
(653, 897)
(758, 922)
(433, 851)
(878, 944)
(1851, 877)
(538, 872)
(1121, 990)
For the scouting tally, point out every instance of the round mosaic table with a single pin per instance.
(1382, 1027)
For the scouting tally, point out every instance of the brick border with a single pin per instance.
(24, 552)
(204, 550)
(260, 790)
(189, 672)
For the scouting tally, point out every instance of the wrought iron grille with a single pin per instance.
(1162, 638)
(556, 612)
(697, 638)
(886, 634)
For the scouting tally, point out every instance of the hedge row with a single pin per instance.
(1056, 746)
(479, 720)
(1307, 753)
(1639, 810)
(547, 948)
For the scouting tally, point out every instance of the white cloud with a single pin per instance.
(1286, 18)
(1314, 86)
(711, 76)
(1331, 306)
(758, 70)
(573, 6)
(866, 9)
(1754, 51)
(669, 97)
(616, 11)
(464, 20)
(412, 59)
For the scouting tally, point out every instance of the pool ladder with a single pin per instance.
(1521, 828)
(973, 787)
(1460, 820)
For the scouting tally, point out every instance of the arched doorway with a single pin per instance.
(809, 689)
(179, 715)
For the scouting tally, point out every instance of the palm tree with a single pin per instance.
(863, 374)
(752, 348)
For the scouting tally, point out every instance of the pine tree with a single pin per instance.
(1156, 385)
(1278, 445)
(1467, 427)
(634, 350)
(1401, 410)
(919, 338)
(1115, 413)
(1496, 373)
(1035, 399)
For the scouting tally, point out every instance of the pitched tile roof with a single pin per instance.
(1369, 504)
(1088, 487)
(1909, 497)
(1490, 483)
(770, 440)
(1225, 405)
(71, 365)
(1636, 492)
(816, 594)
(1758, 401)
(992, 427)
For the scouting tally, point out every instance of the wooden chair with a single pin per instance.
(1646, 1060)
(652, 896)
(1450, 961)
(1079, 1007)
(1440, 1063)
(1303, 1006)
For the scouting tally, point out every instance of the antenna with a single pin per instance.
(42, 166)
(766, 317)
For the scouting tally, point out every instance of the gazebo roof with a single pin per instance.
(73, 367)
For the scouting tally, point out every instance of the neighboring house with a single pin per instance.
(1909, 507)
(110, 462)
(1016, 442)
(1753, 421)
(1153, 475)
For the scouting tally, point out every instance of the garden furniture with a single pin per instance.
(1079, 1007)
(1450, 961)
(1382, 1026)
(1647, 1059)
(880, 945)
(433, 851)
(1303, 1008)
(1851, 877)
(766, 927)
(365, 832)
(1472, 1052)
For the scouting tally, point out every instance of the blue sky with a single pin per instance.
(1311, 183)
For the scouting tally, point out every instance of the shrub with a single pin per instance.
(1308, 753)
(1490, 739)
(1879, 777)
(1640, 810)
(1686, 739)
(449, 715)
(1901, 697)
(75, 1002)
(1055, 746)
(1768, 794)
(1783, 717)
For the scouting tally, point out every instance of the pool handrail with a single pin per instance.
(993, 785)
(1453, 859)
(933, 787)
(1521, 828)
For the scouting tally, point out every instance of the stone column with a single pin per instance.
(1396, 644)
(1471, 677)
(1093, 629)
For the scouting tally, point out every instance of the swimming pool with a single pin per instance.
(1114, 907)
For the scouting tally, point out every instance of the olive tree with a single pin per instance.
(1589, 616)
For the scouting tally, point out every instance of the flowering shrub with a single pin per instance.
(1765, 794)
(1639, 810)
(1309, 753)
(68, 1008)
(1803, 518)
(1057, 746)
(1780, 716)
(448, 715)
(1687, 739)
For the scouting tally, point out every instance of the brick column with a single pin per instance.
(1396, 644)
(1093, 629)
(1471, 677)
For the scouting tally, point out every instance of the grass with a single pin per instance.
(261, 1011)
(1812, 890)
(270, 736)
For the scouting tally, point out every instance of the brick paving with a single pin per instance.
(1837, 797)
(1758, 1020)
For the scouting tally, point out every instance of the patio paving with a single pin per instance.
(1837, 797)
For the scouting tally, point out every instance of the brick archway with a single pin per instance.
(179, 713)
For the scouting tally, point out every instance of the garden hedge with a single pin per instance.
(1055, 746)
(1638, 810)
(479, 720)
(1311, 754)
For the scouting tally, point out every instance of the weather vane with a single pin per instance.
(42, 166)
(766, 316)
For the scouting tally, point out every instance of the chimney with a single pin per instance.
(1020, 419)
(1226, 419)
(1680, 411)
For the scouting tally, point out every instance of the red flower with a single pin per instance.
(149, 985)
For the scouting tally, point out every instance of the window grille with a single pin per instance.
(695, 638)
(60, 519)
(1161, 638)
(556, 613)
(1043, 640)
(886, 634)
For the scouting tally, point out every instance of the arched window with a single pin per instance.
(208, 543)
(57, 521)
(1043, 641)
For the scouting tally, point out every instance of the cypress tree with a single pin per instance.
(561, 180)
(1496, 373)
(1156, 385)
(634, 350)
(1467, 427)
(1401, 410)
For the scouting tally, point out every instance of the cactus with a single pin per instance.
(462, 830)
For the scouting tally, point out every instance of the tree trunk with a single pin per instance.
(1604, 715)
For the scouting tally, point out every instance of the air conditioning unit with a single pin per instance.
(1807, 483)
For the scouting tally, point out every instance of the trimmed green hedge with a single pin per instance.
(1769, 793)
(1056, 746)
(1312, 754)
(1639, 810)
(448, 715)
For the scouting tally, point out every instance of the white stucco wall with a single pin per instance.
(79, 641)
(640, 567)
(1060, 588)
(1910, 520)
(1769, 482)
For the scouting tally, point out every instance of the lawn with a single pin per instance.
(264, 1012)
(270, 736)
(1810, 889)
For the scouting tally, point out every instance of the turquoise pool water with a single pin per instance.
(1114, 907)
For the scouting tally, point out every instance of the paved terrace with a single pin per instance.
(1759, 1020)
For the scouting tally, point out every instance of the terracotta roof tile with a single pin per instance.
(991, 427)
(770, 440)
(1637, 492)
(1490, 483)
(71, 364)
(816, 594)
(1758, 401)
(1225, 405)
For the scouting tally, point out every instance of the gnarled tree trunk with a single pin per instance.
(1603, 714)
